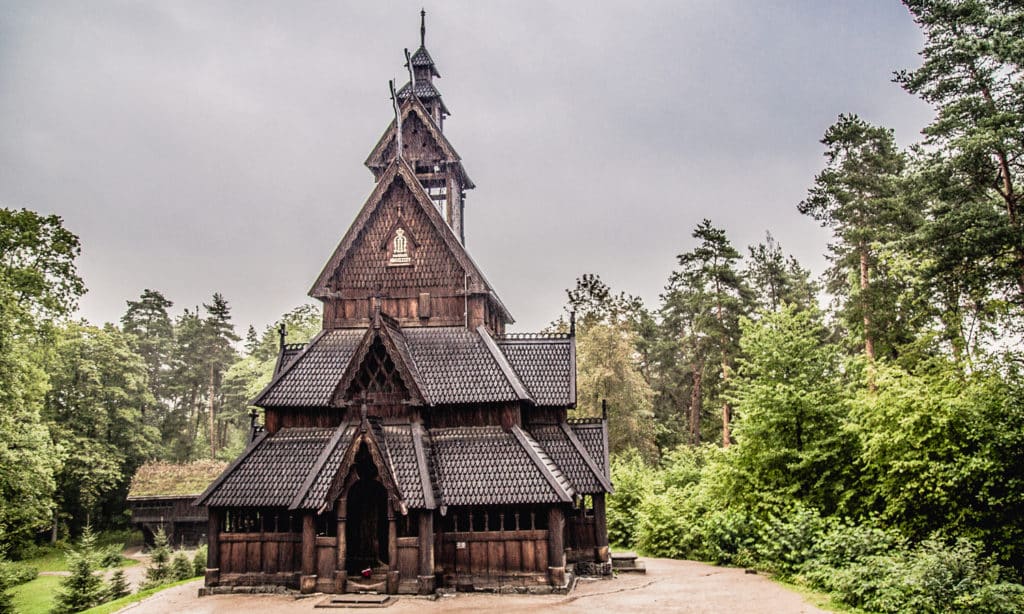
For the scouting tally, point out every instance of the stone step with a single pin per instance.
(377, 583)
(626, 562)
(356, 601)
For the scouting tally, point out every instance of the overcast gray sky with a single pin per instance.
(218, 146)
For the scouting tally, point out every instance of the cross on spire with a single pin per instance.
(423, 27)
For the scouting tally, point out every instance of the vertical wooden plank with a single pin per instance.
(270, 555)
(478, 557)
(342, 545)
(529, 555)
(252, 556)
(513, 550)
(601, 528)
(540, 554)
(225, 557)
(238, 556)
(495, 557)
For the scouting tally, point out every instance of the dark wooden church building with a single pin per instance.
(413, 443)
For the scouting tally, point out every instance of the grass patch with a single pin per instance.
(813, 597)
(117, 604)
(35, 597)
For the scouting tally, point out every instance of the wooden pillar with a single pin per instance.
(213, 547)
(425, 581)
(600, 529)
(556, 546)
(340, 575)
(307, 582)
(392, 551)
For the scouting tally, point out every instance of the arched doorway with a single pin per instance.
(366, 529)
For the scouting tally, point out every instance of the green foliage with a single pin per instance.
(199, 561)
(82, 589)
(159, 570)
(632, 479)
(117, 587)
(98, 385)
(790, 410)
(15, 573)
(181, 567)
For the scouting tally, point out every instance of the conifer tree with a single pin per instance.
(118, 586)
(82, 589)
(159, 570)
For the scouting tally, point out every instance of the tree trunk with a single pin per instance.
(865, 281)
(212, 417)
(726, 410)
(695, 403)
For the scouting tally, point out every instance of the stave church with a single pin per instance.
(414, 444)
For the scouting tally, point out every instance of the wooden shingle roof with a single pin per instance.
(586, 473)
(489, 466)
(546, 364)
(440, 366)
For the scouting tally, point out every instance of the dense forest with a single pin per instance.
(861, 433)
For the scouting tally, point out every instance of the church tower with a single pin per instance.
(405, 253)
(436, 163)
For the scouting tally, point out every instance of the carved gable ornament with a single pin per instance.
(399, 245)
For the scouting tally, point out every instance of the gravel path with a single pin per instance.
(670, 586)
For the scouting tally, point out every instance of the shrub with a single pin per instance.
(110, 556)
(13, 574)
(159, 570)
(199, 561)
(787, 540)
(118, 586)
(181, 567)
(633, 480)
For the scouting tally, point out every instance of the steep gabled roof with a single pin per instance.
(387, 331)
(399, 171)
(411, 105)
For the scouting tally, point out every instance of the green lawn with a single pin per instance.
(35, 597)
(117, 604)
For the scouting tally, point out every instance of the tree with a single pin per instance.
(82, 589)
(98, 387)
(218, 354)
(973, 74)
(38, 283)
(791, 410)
(857, 196)
(118, 586)
(700, 311)
(150, 325)
(159, 570)
(776, 279)
(607, 372)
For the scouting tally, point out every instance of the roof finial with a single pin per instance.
(423, 27)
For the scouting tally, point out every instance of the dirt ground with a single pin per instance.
(669, 586)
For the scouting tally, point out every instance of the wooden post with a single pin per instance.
(213, 548)
(425, 581)
(392, 551)
(340, 573)
(600, 528)
(556, 547)
(307, 583)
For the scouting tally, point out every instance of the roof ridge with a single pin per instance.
(318, 465)
(506, 368)
(576, 443)
(533, 450)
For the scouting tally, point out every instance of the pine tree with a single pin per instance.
(159, 570)
(857, 195)
(118, 586)
(181, 567)
(82, 589)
